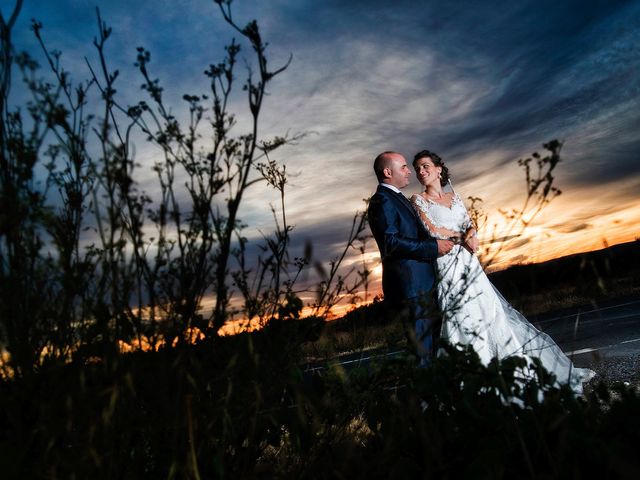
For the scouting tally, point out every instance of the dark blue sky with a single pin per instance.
(483, 83)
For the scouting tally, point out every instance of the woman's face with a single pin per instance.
(427, 172)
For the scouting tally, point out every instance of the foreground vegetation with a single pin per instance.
(243, 408)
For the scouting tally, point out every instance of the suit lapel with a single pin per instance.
(400, 198)
(405, 201)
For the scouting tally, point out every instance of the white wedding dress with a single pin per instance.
(476, 314)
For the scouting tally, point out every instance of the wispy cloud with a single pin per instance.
(571, 228)
(481, 83)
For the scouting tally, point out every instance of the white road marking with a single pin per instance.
(605, 308)
(356, 360)
(605, 347)
(578, 352)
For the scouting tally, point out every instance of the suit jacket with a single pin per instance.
(408, 251)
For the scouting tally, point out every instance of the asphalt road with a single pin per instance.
(605, 338)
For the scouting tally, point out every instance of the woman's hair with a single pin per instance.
(437, 161)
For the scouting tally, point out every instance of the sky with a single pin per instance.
(482, 83)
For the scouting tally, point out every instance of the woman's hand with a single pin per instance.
(471, 241)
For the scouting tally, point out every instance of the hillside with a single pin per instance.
(574, 279)
(536, 288)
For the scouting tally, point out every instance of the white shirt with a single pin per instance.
(391, 187)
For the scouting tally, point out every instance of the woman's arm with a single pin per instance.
(434, 230)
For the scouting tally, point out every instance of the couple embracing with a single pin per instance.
(431, 276)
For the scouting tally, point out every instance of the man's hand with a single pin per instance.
(444, 247)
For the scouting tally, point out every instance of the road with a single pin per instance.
(605, 338)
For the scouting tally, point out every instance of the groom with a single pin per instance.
(407, 250)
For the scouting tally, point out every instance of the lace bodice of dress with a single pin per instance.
(454, 218)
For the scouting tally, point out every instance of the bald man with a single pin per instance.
(407, 250)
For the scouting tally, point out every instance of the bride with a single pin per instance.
(474, 312)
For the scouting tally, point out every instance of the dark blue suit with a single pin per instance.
(408, 254)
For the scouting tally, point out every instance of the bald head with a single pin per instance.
(381, 162)
(391, 168)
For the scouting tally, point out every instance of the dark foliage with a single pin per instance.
(244, 409)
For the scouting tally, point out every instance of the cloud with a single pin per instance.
(519, 259)
(571, 228)
(518, 243)
(483, 84)
(503, 239)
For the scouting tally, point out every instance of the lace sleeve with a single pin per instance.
(468, 223)
(436, 230)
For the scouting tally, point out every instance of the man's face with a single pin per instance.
(399, 171)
